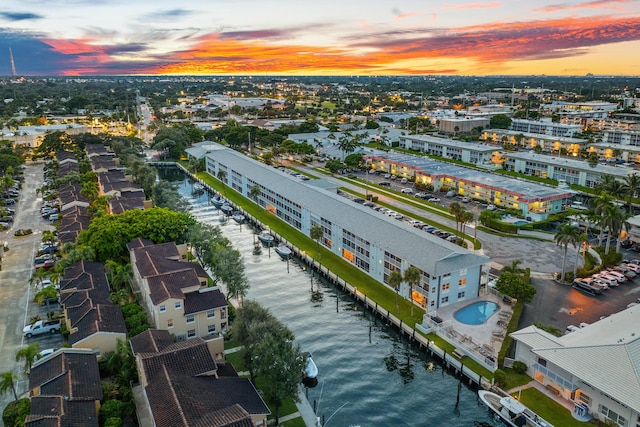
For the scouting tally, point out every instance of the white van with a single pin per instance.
(403, 181)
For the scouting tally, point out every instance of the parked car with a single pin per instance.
(47, 264)
(384, 183)
(387, 176)
(465, 200)
(403, 181)
(434, 200)
(406, 191)
(421, 195)
(359, 200)
(9, 202)
(416, 223)
(429, 228)
(491, 207)
(369, 204)
(6, 219)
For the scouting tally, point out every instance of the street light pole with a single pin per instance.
(366, 172)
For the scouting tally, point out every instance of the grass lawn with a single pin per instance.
(296, 422)
(514, 380)
(231, 344)
(548, 408)
(236, 360)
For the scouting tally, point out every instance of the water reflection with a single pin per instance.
(368, 374)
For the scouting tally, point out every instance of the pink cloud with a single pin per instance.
(594, 4)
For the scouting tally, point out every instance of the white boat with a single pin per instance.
(227, 209)
(238, 217)
(283, 251)
(512, 412)
(310, 369)
(266, 238)
(198, 187)
(218, 201)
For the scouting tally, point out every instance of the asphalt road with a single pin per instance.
(16, 294)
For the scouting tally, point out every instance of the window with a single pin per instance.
(163, 308)
(444, 300)
(433, 290)
(584, 398)
(618, 419)
(542, 362)
(191, 333)
(223, 313)
(211, 313)
(462, 282)
(211, 329)
(178, 305)
(460, 295)
(433, 303)
(170, 323)
(445, 287)
(190, 318)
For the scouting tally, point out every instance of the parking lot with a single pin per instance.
(17, 292)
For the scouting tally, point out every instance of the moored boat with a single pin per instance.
(198, 187)
(512, 412)
(266, 238)
(283, 251)
(217, 201)
(238, 217)
(310, 372)
(227, 209)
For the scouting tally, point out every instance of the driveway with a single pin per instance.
(16, 295)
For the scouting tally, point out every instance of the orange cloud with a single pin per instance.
(395, 52)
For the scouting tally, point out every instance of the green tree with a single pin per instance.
(395, 280)
(593, 159)
(171, 140)
(8, 383)
(500, 121)
(254, 192)
(513, 268)
(412, 277)
(457, 210)
(316, 233)
(568, 234)
(16, 412)
(29, 353)
(280, 365)
(334, 165)
(599, 204)
(514, 286)
(229, 268)
(632, 187)
(347, 143)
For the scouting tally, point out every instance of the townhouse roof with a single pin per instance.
(204, 299)
(126, 201)
(104, 162)
(169, 285)
(191, 357)
(97, 149)
(177, 399)
(91, 318)
(84, 275)
(111, 176)
(77, 297)
(470, 146)
(139, 243)
(70, 192)
(120, 186)
(66, 168)
(70, 374)
(63, 156)
(581, 353)
(56, 411)
(71, 225)
(151, 341)
(71, 211)
(444, 257)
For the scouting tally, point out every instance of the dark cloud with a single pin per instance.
(20, 16)
(165, 15)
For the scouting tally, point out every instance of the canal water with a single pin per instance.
(368, 374)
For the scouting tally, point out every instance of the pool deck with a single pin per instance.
(486, 337)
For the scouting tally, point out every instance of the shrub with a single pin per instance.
(519, 367)
(374, 199)
(499, 378)
(16, 412)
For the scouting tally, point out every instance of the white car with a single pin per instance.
(416, 223)
(599, 282)
(434, 200)
(406, 191)
(609, 280)
(491, 207)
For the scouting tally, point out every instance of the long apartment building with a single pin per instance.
(545, 126)
(371, 241)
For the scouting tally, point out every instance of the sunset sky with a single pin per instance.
(331, 37)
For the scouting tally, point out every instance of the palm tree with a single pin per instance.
(347, 144)
(456, 209)
(614, 220)
(254, 192)
(395, 279)
(582, 242)
(8, 382)
(513, 268)
(566, 235)
(632, 187)
(600, 205)
(316, 233)
(222, 176)
(412, 277)
(466, 218)
(29, 354)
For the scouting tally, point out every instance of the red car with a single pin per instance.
(47, 264)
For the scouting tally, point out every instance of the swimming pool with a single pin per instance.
(476, 313)
(520, 223)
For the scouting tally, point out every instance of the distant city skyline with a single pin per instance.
(356, 37)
